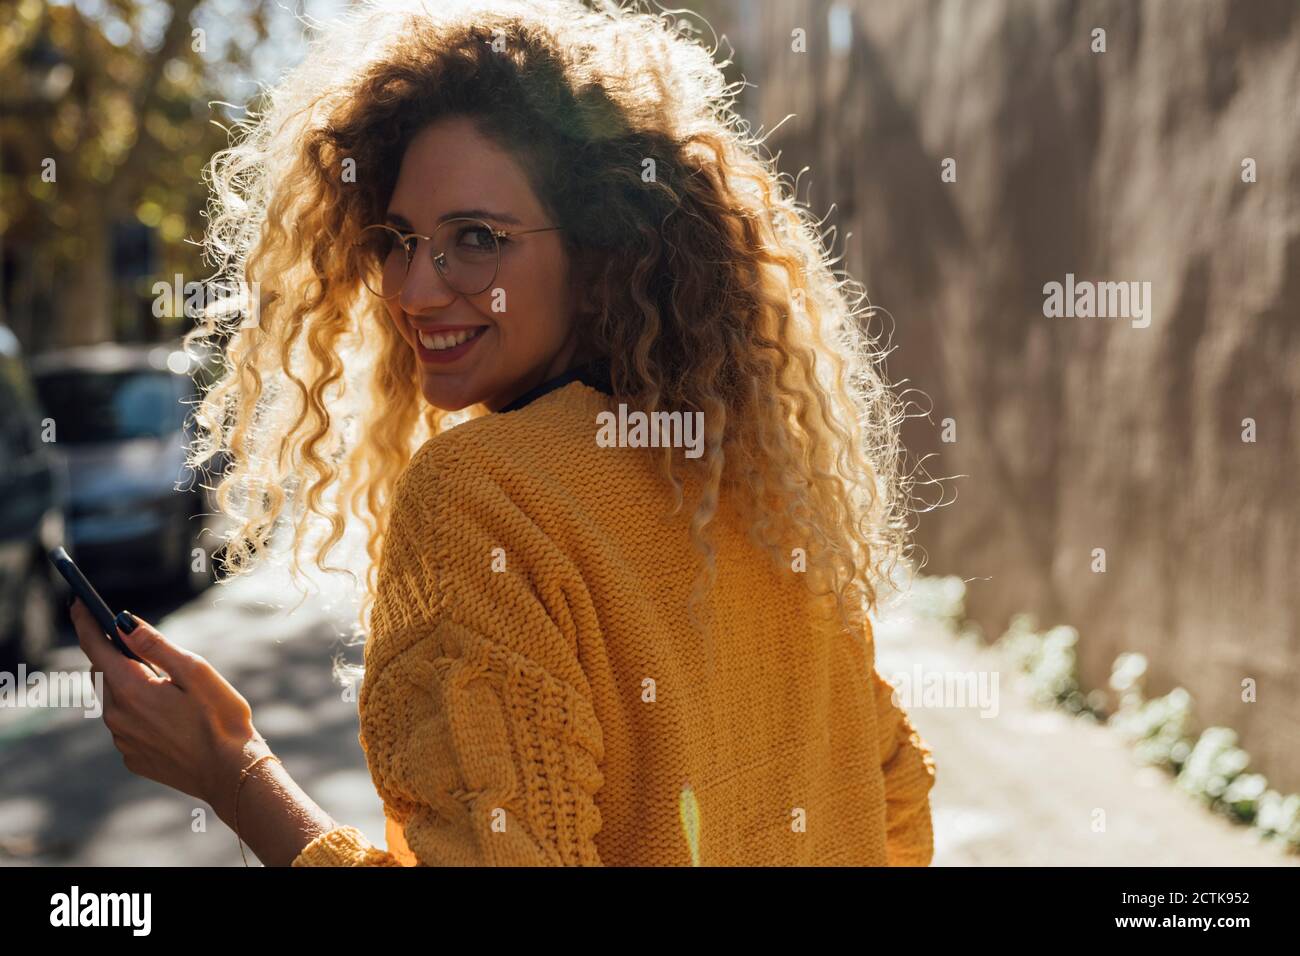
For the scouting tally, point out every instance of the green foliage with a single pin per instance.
(1050, 663)
(1278, 817)
(107, 118)
(1159, 730)
(1209, 767)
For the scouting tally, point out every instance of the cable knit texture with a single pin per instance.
(535, 695)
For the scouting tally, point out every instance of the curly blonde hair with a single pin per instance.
(715, 291)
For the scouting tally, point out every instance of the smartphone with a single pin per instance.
(90, 597)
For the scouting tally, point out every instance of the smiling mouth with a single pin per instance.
(442, 341)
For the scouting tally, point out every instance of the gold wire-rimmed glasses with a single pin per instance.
(465, 251)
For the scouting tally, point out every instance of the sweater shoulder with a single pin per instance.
(534, 439)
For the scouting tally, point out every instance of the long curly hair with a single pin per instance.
(714, 286)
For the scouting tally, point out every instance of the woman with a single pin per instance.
(597, 637)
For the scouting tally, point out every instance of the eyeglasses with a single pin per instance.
(466, 253)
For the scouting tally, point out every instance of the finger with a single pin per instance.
(87, 630)
(148, 642)
(110, 715)
(105, 659)
(115, 719)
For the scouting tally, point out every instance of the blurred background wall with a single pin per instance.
(1075, 434)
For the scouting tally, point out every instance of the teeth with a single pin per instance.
(437, 341)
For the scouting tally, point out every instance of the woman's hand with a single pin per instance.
(189, 729)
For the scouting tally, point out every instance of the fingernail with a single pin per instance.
(126, 622)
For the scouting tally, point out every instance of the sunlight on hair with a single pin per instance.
(716, 290)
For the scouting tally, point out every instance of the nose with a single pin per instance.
(425, 288)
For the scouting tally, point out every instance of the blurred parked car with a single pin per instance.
(33, 491)
(136, 512)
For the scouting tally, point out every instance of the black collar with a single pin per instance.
(594, 373)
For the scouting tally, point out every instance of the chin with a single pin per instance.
(447, 399)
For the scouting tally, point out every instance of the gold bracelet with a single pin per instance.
(243, 774)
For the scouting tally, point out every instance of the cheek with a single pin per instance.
(536, 313)
(398, 319)
(535, 326)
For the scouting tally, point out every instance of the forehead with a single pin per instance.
(449, 165)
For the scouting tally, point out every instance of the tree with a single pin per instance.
(103, 122)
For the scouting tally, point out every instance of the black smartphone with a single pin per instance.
(90, 597)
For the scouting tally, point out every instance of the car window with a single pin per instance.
(113, 406)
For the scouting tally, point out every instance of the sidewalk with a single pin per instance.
(1024, 787)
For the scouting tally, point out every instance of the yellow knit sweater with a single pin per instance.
(534, 694)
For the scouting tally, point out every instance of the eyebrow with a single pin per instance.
(404, 223)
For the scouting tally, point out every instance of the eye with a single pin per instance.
(476, 238)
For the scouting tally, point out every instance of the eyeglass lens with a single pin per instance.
(464, 251)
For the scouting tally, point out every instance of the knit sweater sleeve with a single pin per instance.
(476, 719)
(909, 771)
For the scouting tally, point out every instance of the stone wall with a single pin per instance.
(1080, 433)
